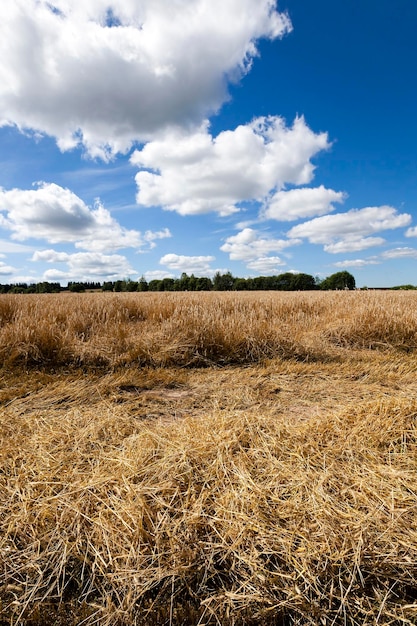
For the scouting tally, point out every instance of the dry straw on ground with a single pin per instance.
(208, 459)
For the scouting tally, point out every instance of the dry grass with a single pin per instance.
(163, 330)
(277, 490)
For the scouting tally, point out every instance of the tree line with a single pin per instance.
(220, 282)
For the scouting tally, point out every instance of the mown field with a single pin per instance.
(208, 458)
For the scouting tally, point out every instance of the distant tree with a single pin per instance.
(271, 282)
(340, 280)
(183, 282)
(303, 282)
(118, 285)
(76, 287)
(192, 283)
(167, 284)
(203, 284)
(142, 284)
(130, 285)
(154, 285)
(19, 288)
(284, 281)
(259, 283)
(46, 287)
(240, 284)
(223, 282)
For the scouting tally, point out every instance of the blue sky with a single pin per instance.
(155, 137)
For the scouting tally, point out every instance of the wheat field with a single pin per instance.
(211, 458)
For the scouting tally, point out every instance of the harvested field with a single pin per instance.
(234, 459)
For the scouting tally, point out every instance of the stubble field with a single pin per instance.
(208, 458)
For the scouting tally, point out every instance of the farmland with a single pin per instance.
(208, 458)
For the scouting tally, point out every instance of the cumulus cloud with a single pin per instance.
(358, 263)
(151, 236)
(157, 275)
(395, 253)
(400, 253)
(249, 246)
(287, 206)
(84, 265)
(353, 244)
(266, 265)
(51, 256)
(6, 270)
(199, 265)
(346, 232)
(411, 232)
(104, 73)
(57, 215)
(194, 173)
(10, 247)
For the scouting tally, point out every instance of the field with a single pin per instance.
(208, 459)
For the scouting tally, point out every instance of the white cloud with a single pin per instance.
(353, 244)
(12, 248)
(5, 270)
(411, 232)
(346, 232)
(95, 264)
(55, 275)
(266, 265)
(66, 72)
(195, 173)
(21, 278)
(57, 215)
(395, 253)
(358, 263)
(51, 256)
(400, 253)
(199, 265)
(150, 236)
(157, 275)
(248, 246)
(287, 206)
(85, 265)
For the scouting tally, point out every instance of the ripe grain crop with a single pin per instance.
(208, 459)
(110, 330)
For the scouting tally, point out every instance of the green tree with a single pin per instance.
(130, 285)
(223, 282)
(340, 280)
(303, 282)
(183, 282)
(240, 284)
(259, 283)
(167, 284)
(203, 284)
(142, 284)
(154, 285)
(76, 287)
(192, 283)
(19, 288)
(284, 281)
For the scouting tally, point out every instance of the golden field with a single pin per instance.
(208, 458)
